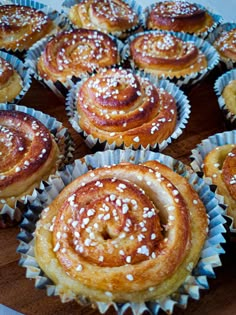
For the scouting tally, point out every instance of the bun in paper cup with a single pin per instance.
(127, 109)
(24, 78)
(18, 123)
(202, 30)
(225, 89)
(182, 58)
(223, 39)
(70, 56)
(198, 274)
(22, 42)
(211, 160)
(111, 18)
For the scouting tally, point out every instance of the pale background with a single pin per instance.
(225, 8)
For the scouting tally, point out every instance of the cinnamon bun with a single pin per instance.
(225, 44)
(164, 54)
(76, 52)
(28, 155)
(10, 82)
(118, 106)
(22, 26)
(229, 96)
(109, 16)
(120, 233)
(179, 16)
(220, 166)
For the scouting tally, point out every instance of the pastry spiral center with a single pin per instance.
(123, 217)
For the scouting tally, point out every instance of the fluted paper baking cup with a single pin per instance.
(22, 71)
(137, 8)
(199, 153)
(220, 84)
(59, 19)
(65, 144)
(183, 109)
(204, 46)
(211, 38)
(196, 281)
(59, 88)
(217, 19)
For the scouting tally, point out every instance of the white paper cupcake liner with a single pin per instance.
(204, 46)
(24, 73)
(217, 19)
(59, 19)
(59, 88)
(137, 8)
(193, 284)
(198, 155)
(183, 108)
(220, 84)
(64, 141)
(228, 64)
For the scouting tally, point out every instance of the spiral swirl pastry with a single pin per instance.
(108, 16)
(76, 52)
(28, 155)
(121, 107)
(124, 232)
(10, 82)
(225, 44)
(165, 54)
(22, 26)
(179, 16)
(220, 166)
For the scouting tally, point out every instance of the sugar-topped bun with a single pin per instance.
(75, 52)
(225, 44)
(108, 16)
(10, 82)
(179, 16)
(22, 26)
(166, 55)
(121, 107)
(220, 166)
(28, 155)
(122, 233)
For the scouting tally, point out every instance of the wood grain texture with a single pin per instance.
(20, 294)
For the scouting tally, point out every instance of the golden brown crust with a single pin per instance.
(220, 166)
(76, 52)
(120, 107)
(107, 16)
(28, 155)
(10, 82)
(229, 95)
(22, 26)
(179, 16)
(225, 44)
(137, 230)
(165, 54)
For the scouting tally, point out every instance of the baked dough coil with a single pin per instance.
(225, 44)
(10, 82)
(22, 26)
(166, 54)
(76, 52)
(115, 16)
(28, 155)
(124, 232)
(118, 106)
(179, 16)
(228, 94)
(220, 166)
